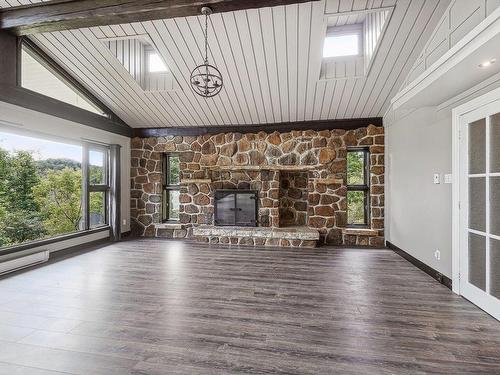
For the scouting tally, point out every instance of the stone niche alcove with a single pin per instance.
(293, 198)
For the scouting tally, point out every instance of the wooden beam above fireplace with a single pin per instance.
(59, 15)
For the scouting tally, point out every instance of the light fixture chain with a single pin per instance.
(206, 38)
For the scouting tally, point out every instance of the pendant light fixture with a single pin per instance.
(206, 79)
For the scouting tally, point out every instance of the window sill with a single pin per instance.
(170, 225)
(48, 241)
(360, 231)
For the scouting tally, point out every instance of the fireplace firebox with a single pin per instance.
(236, 207)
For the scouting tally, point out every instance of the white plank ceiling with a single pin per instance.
(15, 3)
(270, 59)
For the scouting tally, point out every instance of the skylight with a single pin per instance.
(341, 45)
(156, 64)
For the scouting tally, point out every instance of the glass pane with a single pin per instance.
(342, 45)
(356, 207)
(477, 203)
(355, 168)
(37, 78)
(495, 143)
(155, 63)
(477, 147)
(477, 260)
(245, 215)
(495, 205)
(173, 204)
(173, 170)
(495, 267)
(97, 163)
(40, 189)
(97, 212)
(225, 208)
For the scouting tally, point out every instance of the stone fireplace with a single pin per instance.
(299, 177)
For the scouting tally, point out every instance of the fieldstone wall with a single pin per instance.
(257, 161)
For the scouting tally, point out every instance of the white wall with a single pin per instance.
(25, 121)
(418, 212)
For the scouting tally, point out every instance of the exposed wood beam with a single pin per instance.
(67, 14)
(317, 125)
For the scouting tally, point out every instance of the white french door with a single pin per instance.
(479, 206)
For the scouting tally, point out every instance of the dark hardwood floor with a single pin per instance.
(167, 307)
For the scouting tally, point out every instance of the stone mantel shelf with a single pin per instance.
(329, 181)
(264, 167)
(326, 181)
(196, 181)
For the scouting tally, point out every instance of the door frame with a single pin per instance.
(457, 114)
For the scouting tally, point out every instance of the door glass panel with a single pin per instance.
(477, 147)
(225, 209)
(97, 203)
(246, 209)
(495, 205)
(477, 203)
(495, 268)
(96, 167)
(495, 143)
(477, 260)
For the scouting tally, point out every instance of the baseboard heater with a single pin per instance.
(14, 264)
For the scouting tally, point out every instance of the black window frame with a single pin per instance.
(88, 187)
(167, 187)
(365, 188)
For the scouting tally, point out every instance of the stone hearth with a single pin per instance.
(258, 236)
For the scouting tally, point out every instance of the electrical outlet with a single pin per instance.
(437, 178)
(448, 178)
(437, 255)
(124, 222)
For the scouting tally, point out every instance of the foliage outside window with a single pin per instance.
(41, 189)
(171, 187)
(358, 188)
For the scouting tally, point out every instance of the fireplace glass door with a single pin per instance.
(236, 207)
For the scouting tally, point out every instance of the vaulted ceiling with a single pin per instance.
(270, 59)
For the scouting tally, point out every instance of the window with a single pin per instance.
(342, 42)
(171, 187)
(39, 76)
(43, 191)
(358, 188)
(98, 182)
(155, 63)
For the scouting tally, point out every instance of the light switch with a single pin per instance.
(437, 178)
(448, 178)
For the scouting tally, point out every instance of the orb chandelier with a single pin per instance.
(206, 79)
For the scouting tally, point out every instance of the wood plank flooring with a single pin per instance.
(170, 307)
